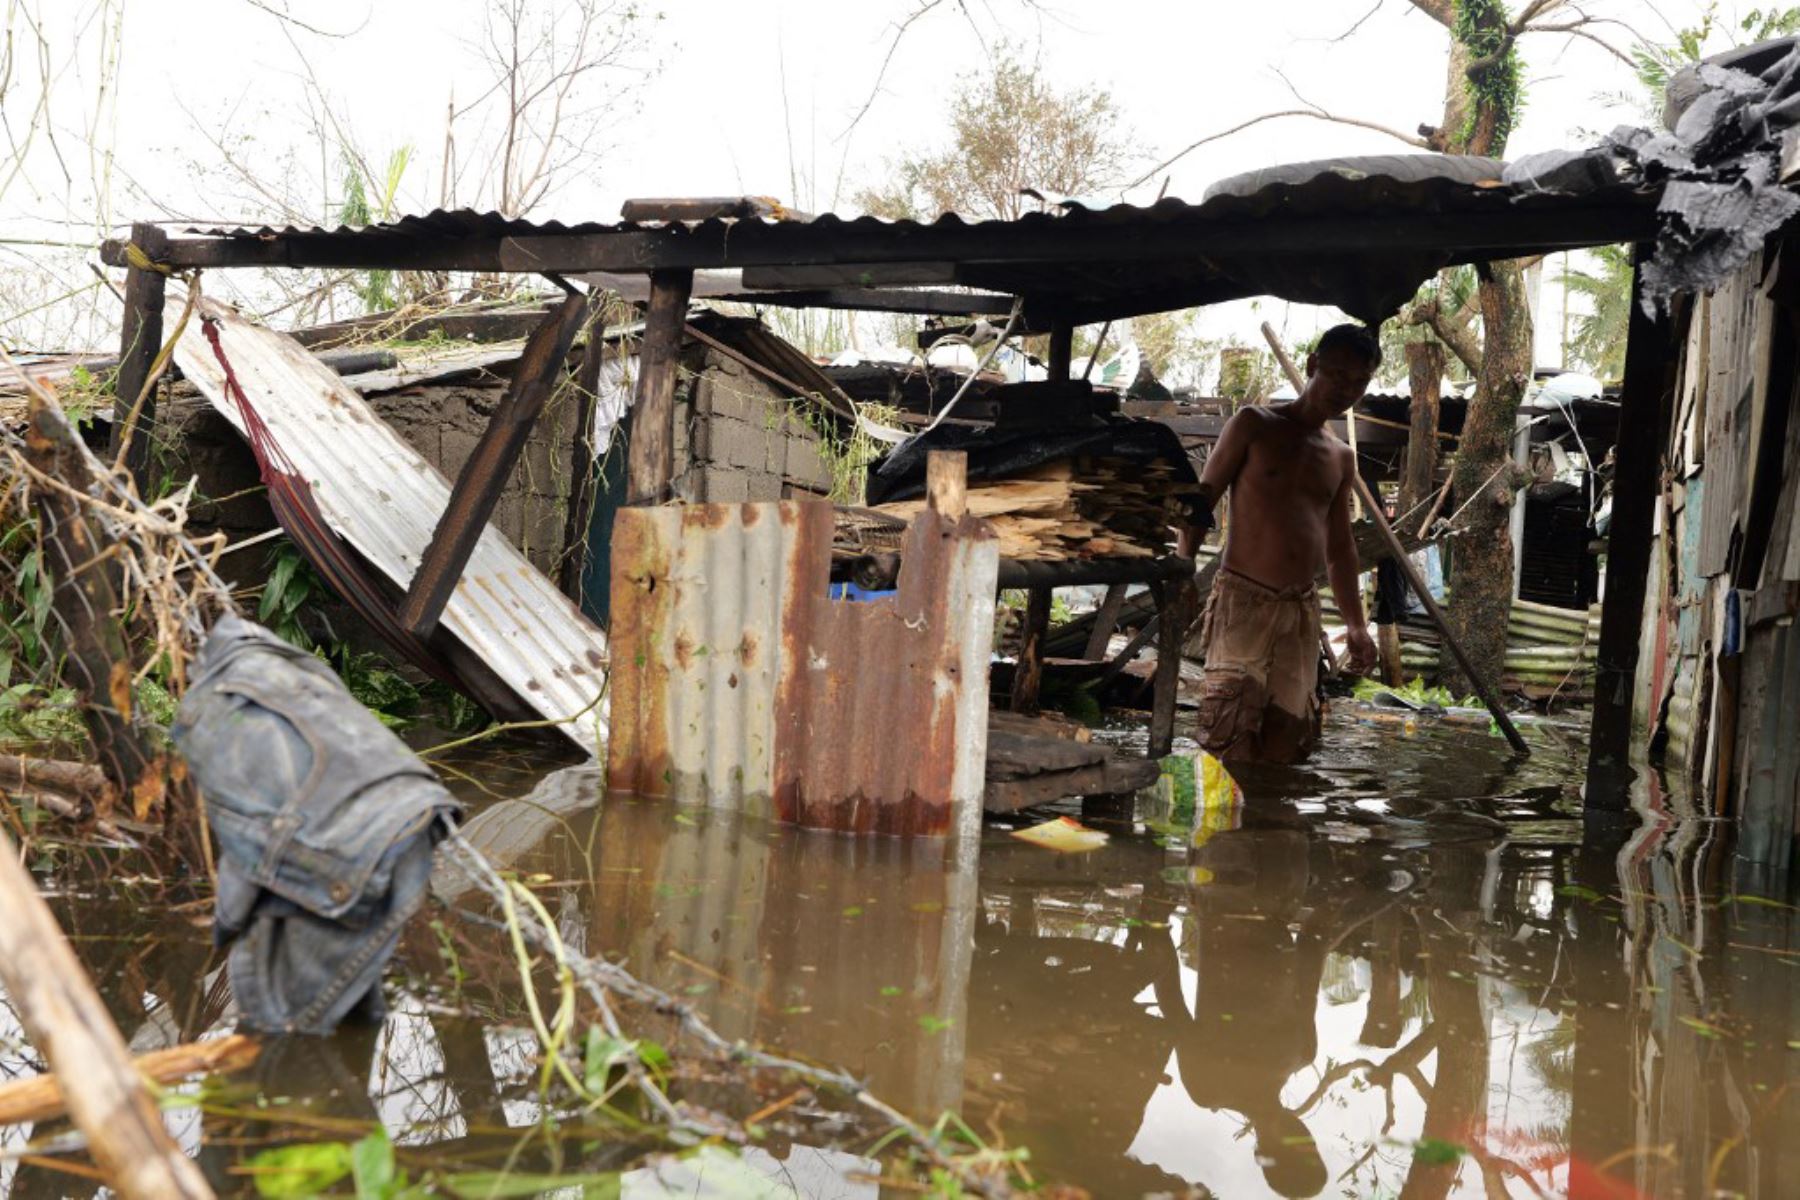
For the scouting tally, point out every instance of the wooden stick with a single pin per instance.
(67, 1021)
(75, 779)
(40, 1098)
(1413, 580)
(650, 470)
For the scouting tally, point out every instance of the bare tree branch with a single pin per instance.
(1316, 114)
(288, 18)
(1441, 11)
(1451, 330)
(1360, 22)
(1579, 29)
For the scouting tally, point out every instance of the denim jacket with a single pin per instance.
(325, 824)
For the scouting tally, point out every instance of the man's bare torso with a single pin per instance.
(1281, 498)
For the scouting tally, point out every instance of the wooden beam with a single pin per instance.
(1106, 619)
(140, 338)
(1028, 677)
(652, 466)
(898, 274)
(1176, 611)
(1062, 351)
(947, 483)
(68, 1023)
(1645, 404)
(484, 476)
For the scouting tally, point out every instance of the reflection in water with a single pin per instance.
(1356, 992)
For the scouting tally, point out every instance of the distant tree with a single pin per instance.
(1175, 353)
(1009, 130)
(1599, 339)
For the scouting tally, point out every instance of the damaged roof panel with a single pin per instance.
(382, 497)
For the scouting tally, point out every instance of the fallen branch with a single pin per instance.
(40, 1098)
(82, 781)
(68, 1023)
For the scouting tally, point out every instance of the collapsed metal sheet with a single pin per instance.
(383, 498)
(739, 683)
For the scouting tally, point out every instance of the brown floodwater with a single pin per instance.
(1408, 969)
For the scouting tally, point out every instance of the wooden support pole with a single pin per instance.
(1062, 351)
(140, 338)
(1645, 405)
(652, 466)
(583, 469)
(85, 600)
(1413, 580)
(68, 1023)
(947, 483)
(1175, 612)
(1028, 677)
(1106, 620)
(485, 475)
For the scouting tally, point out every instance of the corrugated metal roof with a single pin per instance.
(383, 498)
(1092, 271)
(739, 683)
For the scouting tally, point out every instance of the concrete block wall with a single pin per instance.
(739, 439)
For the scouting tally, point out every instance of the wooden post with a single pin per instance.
(1482, 688)
(1106, 620)
(1175, 612)
(69, 1024)
(484, 476)
(652, 465)
(85, 599)
(583, 469)
(140, 338)
(1028, 677)
(1062, 351)
(1645, 404)
(947, 483)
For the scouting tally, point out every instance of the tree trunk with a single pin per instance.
(1482, 566)
(1425, 380)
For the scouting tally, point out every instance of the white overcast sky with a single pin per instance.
(756, 97)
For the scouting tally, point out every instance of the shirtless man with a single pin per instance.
(1290, 480)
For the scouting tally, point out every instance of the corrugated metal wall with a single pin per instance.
(739, 683)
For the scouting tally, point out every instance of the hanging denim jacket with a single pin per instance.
(324, 821)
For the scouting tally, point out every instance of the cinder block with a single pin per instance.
(509, 515)
(736, 444)
(726, 486)
(764, 486)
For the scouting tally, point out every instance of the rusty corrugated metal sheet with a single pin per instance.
(740, 683)
(383, 498)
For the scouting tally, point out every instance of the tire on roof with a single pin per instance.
(1402, 168)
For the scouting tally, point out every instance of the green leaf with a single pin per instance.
(931, 1024)
(1704, 1028)
(1757, 901)
(601, 1054)
(1579, 892)
(1435, 1152)
(276, 588)
(372, 1167)
(890, 990)
(291, 1172)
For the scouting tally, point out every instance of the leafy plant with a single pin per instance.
(1414, 690)
(1599, 339)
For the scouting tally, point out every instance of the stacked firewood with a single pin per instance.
(1075, 508)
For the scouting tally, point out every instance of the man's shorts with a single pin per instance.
(1260, 699)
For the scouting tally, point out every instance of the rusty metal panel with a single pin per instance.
(383, 498)
(739, 683)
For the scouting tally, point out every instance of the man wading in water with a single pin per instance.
(1290, 482)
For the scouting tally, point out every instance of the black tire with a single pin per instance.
(1403, 168)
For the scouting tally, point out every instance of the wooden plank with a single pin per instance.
(1645, 406)
(140, 338)
(485, 475)
(41, 1098)
(947, 483)
(651, 470)
(1015, 755)
(1106, 620)
(68, 1023)
(1028, 677)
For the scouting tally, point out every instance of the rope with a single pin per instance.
(139, 259)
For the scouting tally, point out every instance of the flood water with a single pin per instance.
(1406, 970)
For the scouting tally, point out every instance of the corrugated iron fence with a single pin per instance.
(739, 683)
